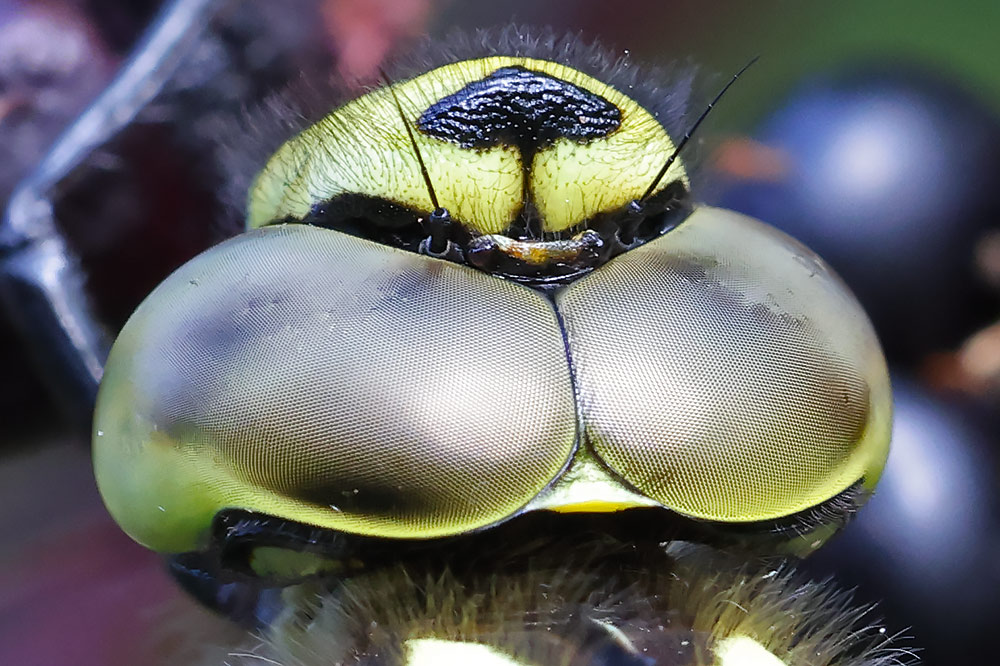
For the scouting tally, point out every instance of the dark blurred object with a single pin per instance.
(974, 368)
(52, 63)
(117, 210)
(76, 590)
(120, 22)
(893, 178)
(926, 545)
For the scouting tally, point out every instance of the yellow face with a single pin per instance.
(495, 133)
(535, 163)
(717, 371)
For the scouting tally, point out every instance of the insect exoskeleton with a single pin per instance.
(460, 300)
(481, 301)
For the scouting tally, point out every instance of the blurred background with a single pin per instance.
(871, 131)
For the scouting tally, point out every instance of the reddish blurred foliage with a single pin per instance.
(363, 32)
(746, 159)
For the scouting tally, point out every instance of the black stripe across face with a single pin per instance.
(522, 108)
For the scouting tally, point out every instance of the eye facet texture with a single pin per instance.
(330, 380)
(724, 371)
(720, 370)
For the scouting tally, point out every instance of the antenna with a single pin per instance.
(636, 204)
(440, 218)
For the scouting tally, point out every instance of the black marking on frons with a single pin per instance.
(519, 107)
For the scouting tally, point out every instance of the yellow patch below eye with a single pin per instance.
(585, 487)
(744, 651)
(595, 506)
(436, 652)
(274, 562)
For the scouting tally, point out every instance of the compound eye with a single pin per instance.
(725, 372)
(316, 377)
